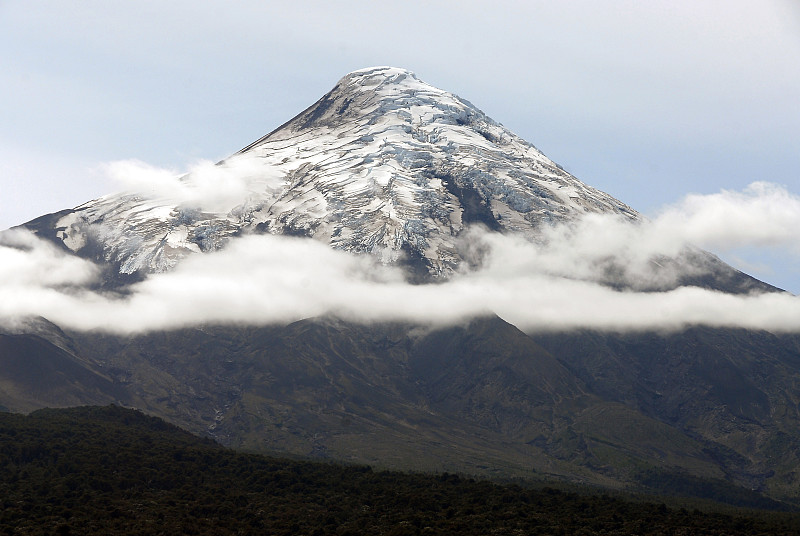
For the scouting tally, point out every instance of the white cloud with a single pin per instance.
(610, 249)
(763, 215)
(26, 261)
(274, 279)
(37, 278)
(213, 187)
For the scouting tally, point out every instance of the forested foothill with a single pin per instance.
(110, 470)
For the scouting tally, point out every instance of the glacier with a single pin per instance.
(383, 164)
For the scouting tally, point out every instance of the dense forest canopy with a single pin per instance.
(103, 470)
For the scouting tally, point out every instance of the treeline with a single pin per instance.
(111, 470)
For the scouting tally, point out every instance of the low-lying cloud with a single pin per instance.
(213, 187)
(562, 284)
(763, 215)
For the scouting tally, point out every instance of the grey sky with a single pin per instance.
(649, 101)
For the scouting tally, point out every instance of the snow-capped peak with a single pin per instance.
(383, 164)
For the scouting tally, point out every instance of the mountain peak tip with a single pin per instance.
(379, 76)
(386, 71)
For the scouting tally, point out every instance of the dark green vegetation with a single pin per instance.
(712, 414)
(108, 470)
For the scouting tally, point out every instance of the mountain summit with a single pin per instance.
(383, 164)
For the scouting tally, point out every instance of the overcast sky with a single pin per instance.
(648, 101)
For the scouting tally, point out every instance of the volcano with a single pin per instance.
(383, 164)
(388, 168)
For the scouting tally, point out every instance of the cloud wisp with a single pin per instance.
(762, 215)
(213, 187)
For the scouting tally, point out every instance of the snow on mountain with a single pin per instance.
(383, 164)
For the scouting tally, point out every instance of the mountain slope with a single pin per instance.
(736, 389)
(38, 367)
(482, 398)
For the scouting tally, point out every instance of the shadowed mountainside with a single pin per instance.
(481, 398)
